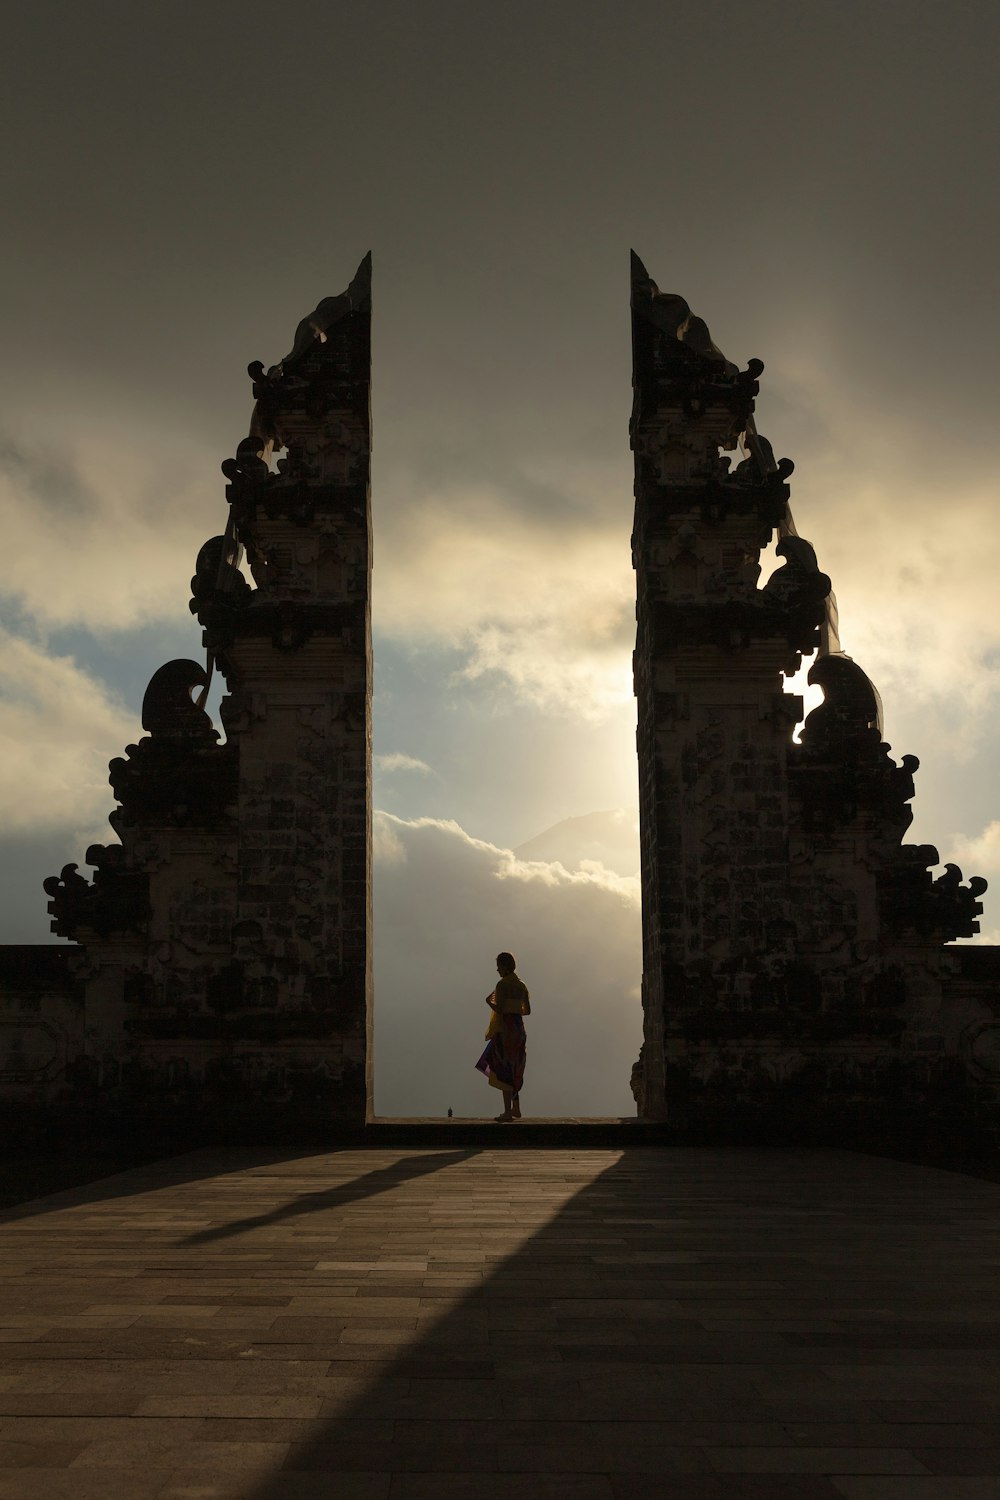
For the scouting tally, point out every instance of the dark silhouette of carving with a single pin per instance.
(167, 708)
(116, 901)
(790, 940)
(799, 581)
(254, 855)
(794, 958)
(328, 312)
(671, 315)
(851, 707)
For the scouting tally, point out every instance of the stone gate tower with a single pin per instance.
(795, 973)
(225, 945)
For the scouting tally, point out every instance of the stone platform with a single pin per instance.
(496, 1322)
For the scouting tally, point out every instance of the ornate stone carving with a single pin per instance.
(178, 776)
(799, 582)
(780, 913)
(168, 710)
(116, 901)
(316, 325)
(842, 769)
(219, 590)
(914, 903)
(320, 341)
(29, 1050)
(249, 470)
(851, 709)
(669, 314)
(332, 451)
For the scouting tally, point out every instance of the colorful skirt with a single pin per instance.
(503, 1060)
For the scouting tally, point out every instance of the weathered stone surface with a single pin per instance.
(41, 1021)
(224, 946)
(795, 973)
(721, 1324)
(797, 976)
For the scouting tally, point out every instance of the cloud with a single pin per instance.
(58, 730)
(904, 522)
(101, 529)
(445, 904)
(608, 839)
(979, 855)
(917, 601)
(545, 603)
(540, 597)
(397, 761)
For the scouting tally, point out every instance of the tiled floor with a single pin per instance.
(507, 1325)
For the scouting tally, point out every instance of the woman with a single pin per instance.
(504, 1057)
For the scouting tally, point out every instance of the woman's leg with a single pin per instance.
(515, 1104)
(507, 1114)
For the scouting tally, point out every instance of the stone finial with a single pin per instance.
(329, 311)
(851, 707)
(670, 314)
(167, 708)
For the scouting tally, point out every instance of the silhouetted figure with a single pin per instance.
(503, 1061)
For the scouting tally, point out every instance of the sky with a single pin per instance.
(182, 183)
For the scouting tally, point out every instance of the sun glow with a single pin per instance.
(798, 684)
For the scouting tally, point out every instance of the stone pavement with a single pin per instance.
(511, 1324)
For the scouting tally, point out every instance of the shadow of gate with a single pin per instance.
(669, 1323)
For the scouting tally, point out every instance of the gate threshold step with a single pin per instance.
(605, 1132)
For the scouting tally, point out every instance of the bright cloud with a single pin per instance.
(979, 855)
(917, 598)
(609, 839)
(397, 761)
(543, 602)
(59, 728)
(103, 530)
(445, 904)
(907, 532)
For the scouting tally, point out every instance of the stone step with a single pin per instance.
(597, 1133)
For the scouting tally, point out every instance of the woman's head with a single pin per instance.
(505, 963)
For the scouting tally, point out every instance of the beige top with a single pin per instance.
(511, 994)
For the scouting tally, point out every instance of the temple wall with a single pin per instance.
(797, 979)
(221, 969)
(800, 978)
(41, 1023)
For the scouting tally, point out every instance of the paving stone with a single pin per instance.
(140, 1453)
(78, 1484)
(960, 1460)
(37, 1452)
(793, 1459)
(732, 1487)
(196, 1485)
(77, 1429)
(476, 1485)
(601, 1455)
(910, 1435)
(855, 1487)
(689, 1325)
(247, 1406)
(67, 1404)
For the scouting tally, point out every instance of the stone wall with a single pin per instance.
(796, 973)
(221, 967)
(41, 1022)
(797, 978)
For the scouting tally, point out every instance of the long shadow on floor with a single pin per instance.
(653, 1328)
(368, 1185)
(32, 1184)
